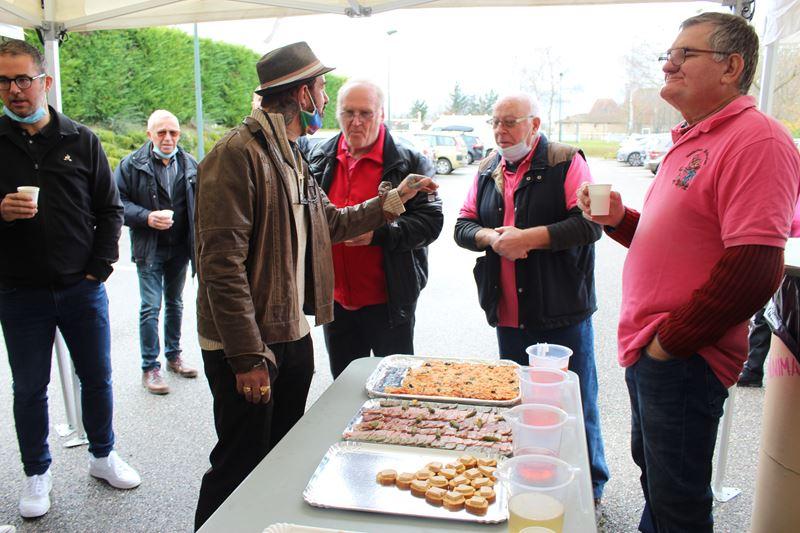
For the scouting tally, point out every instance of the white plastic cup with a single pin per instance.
(31, 191)
(536, 428)
(169, 212)
(543, 385)
(599, 198)
(549, 356)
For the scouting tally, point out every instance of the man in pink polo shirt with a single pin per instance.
(705, 253)
(536, 279)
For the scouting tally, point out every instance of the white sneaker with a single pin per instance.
(35, 498)
(7, 529)
(114, 470)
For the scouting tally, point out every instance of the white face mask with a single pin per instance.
(516, 152)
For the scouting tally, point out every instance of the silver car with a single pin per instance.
(631, 150)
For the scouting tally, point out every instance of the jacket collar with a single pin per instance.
(391, 154)
(274, 127)
(142, 158)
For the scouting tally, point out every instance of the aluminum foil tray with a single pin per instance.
(450, 426)
(345, 479)
(392, 369)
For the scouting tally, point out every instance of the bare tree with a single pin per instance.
(541, 76)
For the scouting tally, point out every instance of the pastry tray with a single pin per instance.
(345, 479)
(392, 369)
(448, 426)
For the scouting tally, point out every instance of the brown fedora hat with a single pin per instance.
(288, 66)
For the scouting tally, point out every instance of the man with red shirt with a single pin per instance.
(705, 253)
(378, 275)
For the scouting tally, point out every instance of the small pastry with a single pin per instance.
(453, 501)
(488, 493)
(438, 481)
(458, 480)
(419, 487)
(435, 495)
(467, 490)
(404, 480)
(387, 477)
(472, 473)
(487, 471)
(487, 462)
(424, 474)
(448, 473)
(477, 505)
(479, 482)
(434, 467)
(458, 467)
(468, 461)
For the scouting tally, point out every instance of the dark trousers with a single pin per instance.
(759, 339)
(354, 334)
(246, 432)
(165, 276)
(29, 317)
(580, 338)
(675, 410)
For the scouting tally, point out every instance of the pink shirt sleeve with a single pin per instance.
(470, 207)
(757, 194)
(577, 173)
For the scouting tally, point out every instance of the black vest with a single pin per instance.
(555, 289)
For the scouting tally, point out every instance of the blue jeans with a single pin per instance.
(29, 317)
(165, 276)
(580, 338)
(675, 410)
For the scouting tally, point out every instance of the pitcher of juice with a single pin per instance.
(539, 488)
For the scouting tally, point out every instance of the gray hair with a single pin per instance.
(531, 101)
(15, 47)
(733, 35)
(349, 84)
(157, 115)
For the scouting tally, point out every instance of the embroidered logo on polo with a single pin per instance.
(686, 173)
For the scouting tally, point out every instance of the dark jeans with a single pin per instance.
(353, 334)
(580, 338)
(29, 317)
(167, 276)
(759, 339)
(675, 410)
(246, 432)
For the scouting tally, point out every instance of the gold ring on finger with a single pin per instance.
(264, 389)
(246, 389)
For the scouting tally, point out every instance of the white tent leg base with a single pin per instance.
(725, 494)
(79, 440)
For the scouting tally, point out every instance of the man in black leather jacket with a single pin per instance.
(378, 275)
(156, 184)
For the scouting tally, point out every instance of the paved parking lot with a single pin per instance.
(168, 438)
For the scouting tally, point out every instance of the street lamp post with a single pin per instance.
(560, 83)
(389, 33)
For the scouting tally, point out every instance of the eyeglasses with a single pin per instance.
(507, 123)
(22, 82)
(364, 116)
(171, 133)
(677, 56)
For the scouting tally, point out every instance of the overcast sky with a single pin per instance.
(481, 48)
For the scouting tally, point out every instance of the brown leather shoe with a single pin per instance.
(179, 367)
(153, 382)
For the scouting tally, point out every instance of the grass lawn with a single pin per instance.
(602, 149)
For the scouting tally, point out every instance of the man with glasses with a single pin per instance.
(57, 250)
(704, 255)
(378, 276)
(156, 184)
(536, 279)
(264, 230)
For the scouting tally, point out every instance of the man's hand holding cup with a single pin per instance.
(20, 205)
(160, 220)
(613, 214)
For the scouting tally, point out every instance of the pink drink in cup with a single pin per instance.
(549, 356)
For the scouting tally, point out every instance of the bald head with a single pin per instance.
(360, 112)
(524, 103)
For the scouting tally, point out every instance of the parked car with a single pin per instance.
(420, 144)
(474, 147)
(449, 149)
(657, 147)
(631, 150)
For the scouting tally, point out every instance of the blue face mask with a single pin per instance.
(37, 115)
(310, 121)
(162, 155)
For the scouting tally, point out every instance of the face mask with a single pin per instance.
(516, 152)
(162, 155)
(37, 115)
(310, 121)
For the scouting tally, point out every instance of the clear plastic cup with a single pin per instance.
(549, 355)
(537, 428)
(540, 384)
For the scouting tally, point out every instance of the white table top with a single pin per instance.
(273, 492)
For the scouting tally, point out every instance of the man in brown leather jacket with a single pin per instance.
(264, 230)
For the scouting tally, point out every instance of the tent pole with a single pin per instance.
(198, 97)
(765, 97)
(51, 41)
